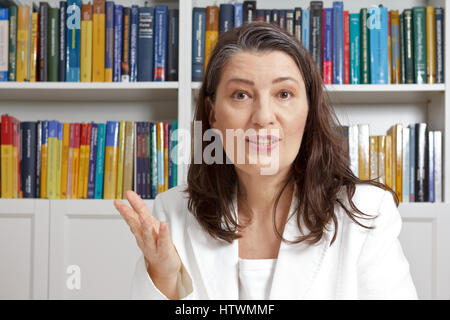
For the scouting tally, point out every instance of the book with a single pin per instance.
(43, 40)
(139, 161)
(212, 29)
(298, 23)
(38, 157)
(373, 157)
(109, 40)
(249, 11)
(365, 47)
(395, 47)
(169, 152)
(73, 30)
(52, 159)
(353, 149)
(53, 44)
(99, 170)
(145, 44)
(75, 176)
(409, 46)
(33, 48)
(92, 160)
(16, 158)
(198, 43)
(6, 162)
(62, 41)
(430, 173)
(4, 43)
(160, 45)
(238, 14)
(172, 45)
(82, 164)
(420, 53)
(290, 21)
(431, 46)
(378, 36)
(12, 43)
(316, 32)
(59, 159)
(111, 157)
(23, 45)
(388, 163)
(381, 141)
(166, 156)
(328, 55)
(439, 18)
(134, 42)
(154, 159)
(120, 161)
(44, 159)
(126, 28)
(70, 160)
(226, 17)
(98, 41)
(338, 42)
(282, 19)
(274, 17)
(346, 47)
(421, 162)
(405, 164)
(65, 159)
(437, 147)
(117, 43)
(305, 29)
(160, 155)
(174, 139)
(363, 152)
(355, 53)
(259, 16)
(412, 162)
(86, 43)
(128, 165)
(87, 151)
(402, 49)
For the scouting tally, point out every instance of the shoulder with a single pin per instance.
(171, 204)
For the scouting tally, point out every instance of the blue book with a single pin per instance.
(73, 33)
(238, 14)
(62, 41)
(267, 15)
(430, 166)
(198, 43)
(305, 29)
(100, 162)
(378, 37)
(4, 54)
(145, 44)
(134, 42)
(355, 66)
(226, 17)
(92, 160)
(160, 45)
(118, 33)
(169, 149)
(109, 40)
(28, 134)
(412, 162)
(282, 18)
(338, 42)
(153, 160)
(328, 56)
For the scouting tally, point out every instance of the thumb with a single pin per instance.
(164, 240)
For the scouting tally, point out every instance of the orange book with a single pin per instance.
(395, 46)
(82, 169)
(389, 49)
(34, 45)
(98, 41)
(211, 31)
(75, 161)
(23, 43)
(86, 160)
(65, 159)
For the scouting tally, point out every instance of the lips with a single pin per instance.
(263, 140)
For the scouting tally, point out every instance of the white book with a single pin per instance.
(430, 166)
(438, 166)
(405, 165)
(353, 148)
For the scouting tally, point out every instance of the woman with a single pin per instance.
(308, 230)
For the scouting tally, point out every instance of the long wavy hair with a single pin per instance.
(320, 170)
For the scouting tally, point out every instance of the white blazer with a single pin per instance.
(360, 264)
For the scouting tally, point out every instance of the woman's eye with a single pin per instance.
(285, 94)
(239, 95)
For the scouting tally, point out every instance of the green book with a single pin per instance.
(409, 50)
(420, 52)
(355, 66)
(364, 48)
(402, 50)
(53, 44)
(12, 43)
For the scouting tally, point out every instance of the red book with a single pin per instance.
(6, 140)
(346, 48)
(88, 134)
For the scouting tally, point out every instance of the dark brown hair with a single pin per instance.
(321, 168)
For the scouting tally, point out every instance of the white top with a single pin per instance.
(255, 278)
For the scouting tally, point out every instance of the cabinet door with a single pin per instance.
(425, 240)
(92, 251)
(24, 230)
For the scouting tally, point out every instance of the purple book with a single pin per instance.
(92, 160)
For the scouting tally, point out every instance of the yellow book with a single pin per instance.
(86, 160)
(98, 41)
(388, 163)
(431, 44)
(121, 156)
(52, 159)
(398, 156)
(82, 169)
(23, 41)
(389, 49)
(59, 159)
(111, 159)
(211, 30)
(363, 151)
(15, 157)
(44, 158)
(34, 45)
(381, 141)
(128, 162)
(396, 66)
(65, 159)
(86, 43)
(6, 158)
(373, 162)
(75, 161)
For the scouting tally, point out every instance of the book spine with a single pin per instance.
(160, 46)
(412, 162)
(86, 43)
(53, 44)
(420, 53)
(437, 166)
(52, 160)
(290, 21)
(82, 166)
(59, 160)
(282, 19)
(134, 42)
(405, 164)
(355, 65)
(98, 41)
(338, 42)
(430, 159)
(111, 153)
(305, 29)
(145, 44)
(44, 158)
(316, 32)
(365, 48)
(117, 43)
(65, 159)
(16, 157)
(431, 44)
(198, 43)
(166, 157)
(388, 165)
(33, 49)
(154, 158)
(175, 153)
(172, 48)
(121, 156)
(38, 158)
(70, 160)
(363, 151)
(402, 49)
(212, 30)
(298, 23)
(389, 46)
(439, 17)
(62, 41)
(238, 14)
(75, 180)
(395, 39)
(23, 35)
(92, 161)
(249, 11)
(259, 16)
(28, 163)
(409, 49)
(43, 40)
(125, 67)
(128, 158)
(160, 155)
(73, 29)
(99, 170)
(373, 157)
(226, 18)
(12, 43)
(274, 17)
(421, 186)
(384, 47)
(148, 183)
(381, 159)
(4, 42)
(353, 149)
(109, 40)
(328, 46)
(170, 151)
(398, 160)
(346, 47)
(138, 144)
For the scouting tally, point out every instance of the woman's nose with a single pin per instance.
(263, 112)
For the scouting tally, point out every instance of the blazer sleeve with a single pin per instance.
(142, 287)
(383, 271)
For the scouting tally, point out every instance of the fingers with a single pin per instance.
(130, 217)
(139, 205)
(164, 240)
(148, 232)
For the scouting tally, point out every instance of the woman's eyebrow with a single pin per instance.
(249, 82)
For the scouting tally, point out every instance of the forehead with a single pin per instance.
(261, 66)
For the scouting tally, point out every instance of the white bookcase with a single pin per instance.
(40, 239)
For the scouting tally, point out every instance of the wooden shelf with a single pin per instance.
(88, 91)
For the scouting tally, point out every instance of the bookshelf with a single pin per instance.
(52, 234)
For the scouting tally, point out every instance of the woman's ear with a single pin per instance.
(211, 116)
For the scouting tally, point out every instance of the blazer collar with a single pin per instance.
(295, 270)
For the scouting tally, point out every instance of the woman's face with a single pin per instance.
(264, 95)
